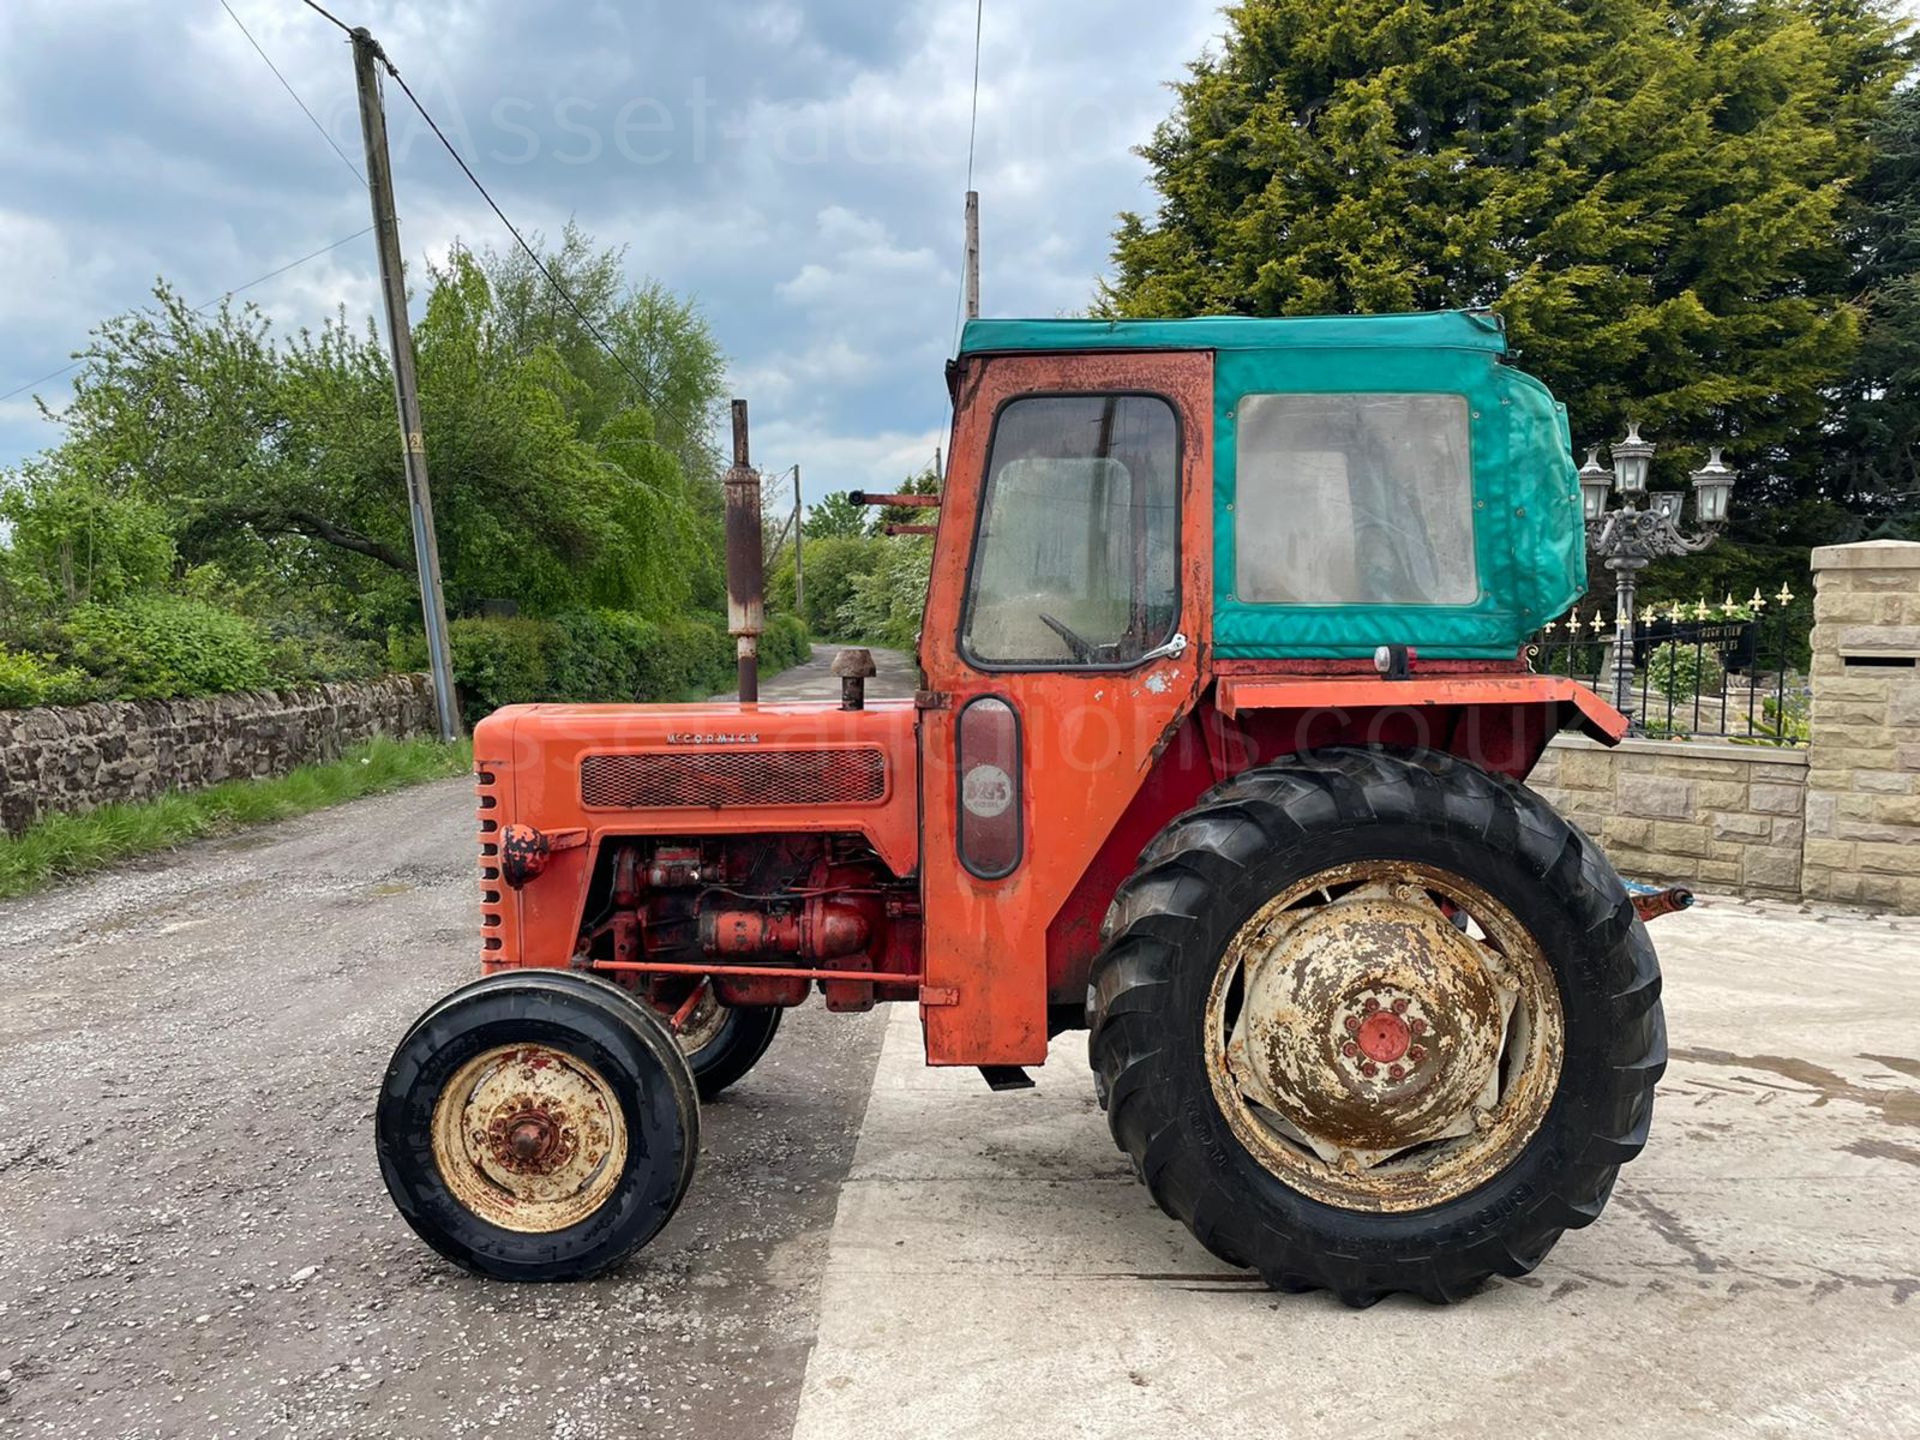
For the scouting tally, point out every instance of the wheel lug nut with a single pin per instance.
(1349, 1048)
(1417, 1054)
(1369, 1068)
(1370, 1005)
(1397, 1072)
(1353, 1024)
(1400, 1006)
(1418, 1027)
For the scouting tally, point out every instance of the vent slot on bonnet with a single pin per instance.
(724, 779)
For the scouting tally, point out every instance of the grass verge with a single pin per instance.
(62, 846)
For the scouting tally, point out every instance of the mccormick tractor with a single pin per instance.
(1218, 756)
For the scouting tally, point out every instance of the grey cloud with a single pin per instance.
(797, 166)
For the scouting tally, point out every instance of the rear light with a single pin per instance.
(989, 788)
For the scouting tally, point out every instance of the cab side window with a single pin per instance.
(1074, 565)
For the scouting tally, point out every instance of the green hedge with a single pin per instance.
(602, 656)
(162, 647)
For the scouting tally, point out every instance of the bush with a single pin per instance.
(832, 565)
(887, 603)
(29, 680)
(157, 647)
(600, 657)
(1681, 671)
(785, 644)
(501, 662)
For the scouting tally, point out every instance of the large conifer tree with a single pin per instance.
(1654, 195)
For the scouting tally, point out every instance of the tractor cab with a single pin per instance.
(1217, 754)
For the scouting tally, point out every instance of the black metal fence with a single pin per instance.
(1700, 670)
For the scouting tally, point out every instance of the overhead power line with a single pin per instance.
(202, 309)
(284, 85)
(320, 11)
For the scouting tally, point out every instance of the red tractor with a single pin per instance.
(1219, 756)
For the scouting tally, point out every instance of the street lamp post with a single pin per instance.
(1632, 537)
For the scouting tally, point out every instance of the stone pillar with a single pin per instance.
(1863, 769)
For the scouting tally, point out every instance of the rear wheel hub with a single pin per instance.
(1388, 1035)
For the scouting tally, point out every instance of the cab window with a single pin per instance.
(1074, 563)
(1353, 500)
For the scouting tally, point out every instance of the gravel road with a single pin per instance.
(194, 1238)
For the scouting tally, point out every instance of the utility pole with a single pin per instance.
(973, 254)
(799, 527)
(393, 291)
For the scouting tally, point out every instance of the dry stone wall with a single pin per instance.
(76, 757)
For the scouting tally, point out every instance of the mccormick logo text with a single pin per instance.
(689, 737)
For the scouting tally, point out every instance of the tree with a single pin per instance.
(664, 358)
(271, 470)
(835, 517)
(1652, 194)
(926, 482)
(1880, 429)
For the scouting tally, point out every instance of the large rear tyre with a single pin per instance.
(1374, 1022)
(537, 1125)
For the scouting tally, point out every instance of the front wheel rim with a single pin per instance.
(530, 1138)
(1384, 1036)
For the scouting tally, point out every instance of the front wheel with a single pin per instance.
(537, 1125)
(1376, 1021)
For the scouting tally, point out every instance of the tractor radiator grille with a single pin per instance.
(492, 917)
(719, 779)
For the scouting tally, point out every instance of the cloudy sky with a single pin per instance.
(797, 165)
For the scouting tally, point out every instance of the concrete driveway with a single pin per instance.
(194, 1240)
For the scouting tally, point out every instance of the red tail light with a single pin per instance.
(989, 788)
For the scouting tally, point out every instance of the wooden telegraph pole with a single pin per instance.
(393, 291)
(973, 255)
(799, 527)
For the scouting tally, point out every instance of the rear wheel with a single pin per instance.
(1376, 1022)
(537, 1125)
(722, 1042)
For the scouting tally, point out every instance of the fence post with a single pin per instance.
(1863, 775)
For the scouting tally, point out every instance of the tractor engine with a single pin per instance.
(761, 919)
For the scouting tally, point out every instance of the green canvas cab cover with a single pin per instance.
(1377, 479)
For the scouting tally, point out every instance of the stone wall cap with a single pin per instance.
(1869, 555)
(1795, 756)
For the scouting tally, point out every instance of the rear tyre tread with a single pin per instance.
(1160, 913)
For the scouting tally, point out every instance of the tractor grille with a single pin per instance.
(726, 778)
(492, 918)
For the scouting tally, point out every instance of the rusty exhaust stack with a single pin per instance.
(746, 599)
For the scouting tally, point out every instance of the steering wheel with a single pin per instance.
(1077, 645)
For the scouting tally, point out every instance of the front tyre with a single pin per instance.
(537, 1125)
(1376, 1021)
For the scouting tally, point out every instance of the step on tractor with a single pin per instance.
(1217, 754)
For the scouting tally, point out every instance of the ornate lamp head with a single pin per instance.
(1594, 484)
(1632, 459)
(1712, 490)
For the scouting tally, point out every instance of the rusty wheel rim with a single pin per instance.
(703, 1024)
(529, 1138)
(1384, 1036)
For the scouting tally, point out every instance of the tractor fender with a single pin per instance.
(1238, 694)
